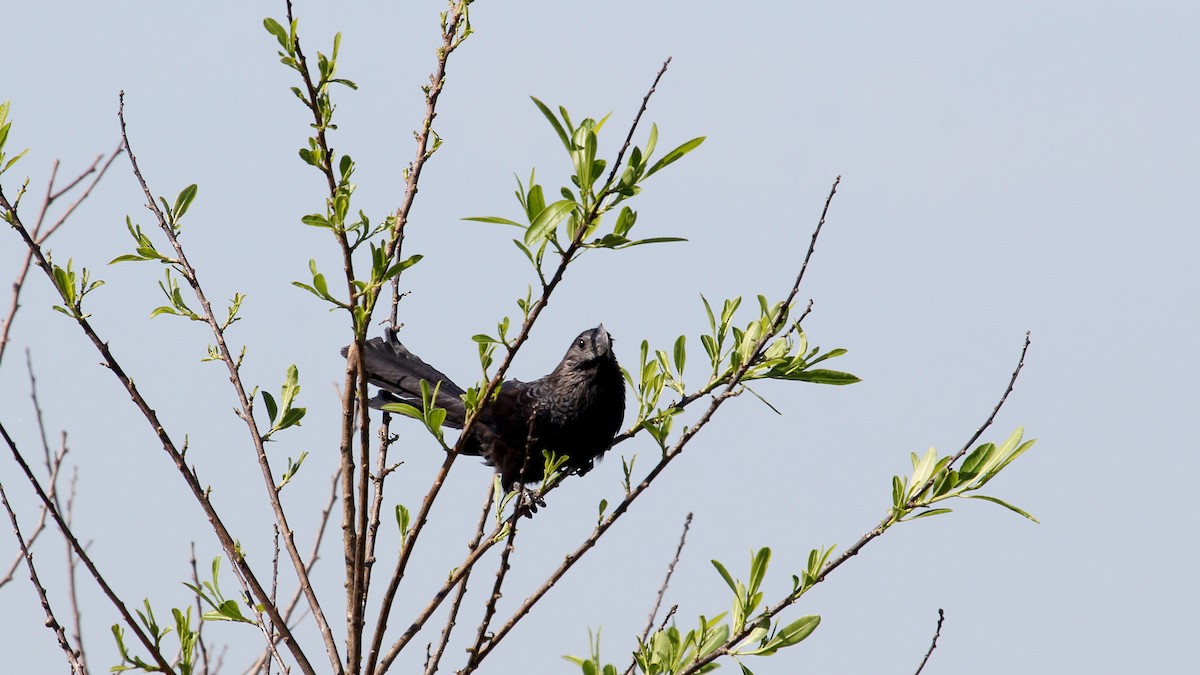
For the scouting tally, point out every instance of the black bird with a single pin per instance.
(574, 411)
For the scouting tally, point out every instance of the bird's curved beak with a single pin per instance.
(603, 341)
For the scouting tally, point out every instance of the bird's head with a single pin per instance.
(590, 349)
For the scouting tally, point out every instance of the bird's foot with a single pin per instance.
(528, 501)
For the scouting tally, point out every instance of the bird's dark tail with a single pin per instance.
(398, 373)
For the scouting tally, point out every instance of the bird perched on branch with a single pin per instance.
(574, 411)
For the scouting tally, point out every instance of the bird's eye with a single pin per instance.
(580, 343)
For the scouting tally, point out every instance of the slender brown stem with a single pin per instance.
(354, 387)
(571, 558)
(490, 609)
(73, 656)
(246, 412)
(201, 644)
(731, 389)
(436, 657)
(612, 174)
(855, 548)
(566, 257)
(662, 590)
(53, 467)
(83, 556)
(936, 634)
(73, 564)
(199, 492)
(41, 237)
(290, 608)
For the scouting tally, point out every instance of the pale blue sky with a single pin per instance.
(1006, 167)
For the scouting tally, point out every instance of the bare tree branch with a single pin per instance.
(247, 414)
(73, 657)
(854, 549)
(73, 563)
(83, 556)
(432, 665)
(936, 634)
(40, 237)
(290, 608)
(662, 590)
(490, 609)
(731, 388)
(198, 491)
(548, 287)
(201, 645)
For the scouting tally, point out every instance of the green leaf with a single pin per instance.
(9, 163)
(403, 519)
(277, 30)
(494, 219)
(791, 634)
(922, 468)
(725, 575)
(651, 143)
(625, 220)
(1010, 453)
(128, 257)
(316, 220)
(1005, 504)
(655, 240)
(402, 265)
(930, 512)
(758, 568)
(183, 201)
(822, 376)
(403, 409)
(292, 417)
(558, 128)
(610, 241)
(542, 226)
(712, 321)
(675, 154)
(970, 465)
(64, 282)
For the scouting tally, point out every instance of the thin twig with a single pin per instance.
(322, 523)
(381, 473)
(883, 525)
(666, 580)
(432, 663)
(490, 609)
(199, 492)
(73, 563)
(667, 619)
(53, 466)
(857, 546)
(52, 623)
(936, 634)
(271, 637)
(40, 237)
(83, 556)
(731, 389)
(437, 80)
(612, 174)
(352, 537)
(200, 643)
(246, 412)
(260, 622)
(567, 256)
